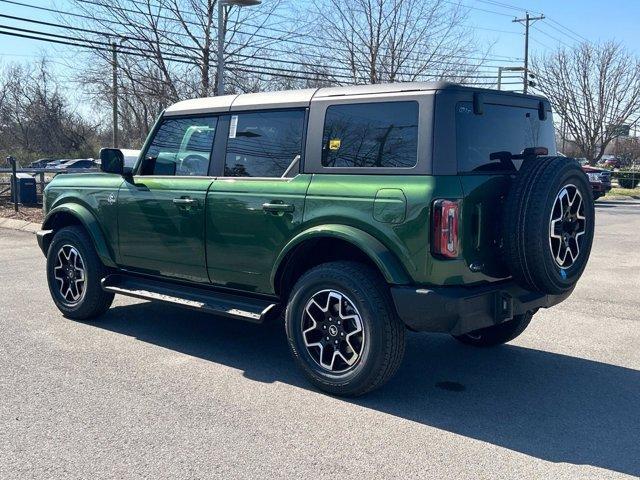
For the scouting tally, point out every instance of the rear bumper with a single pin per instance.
(459, 310)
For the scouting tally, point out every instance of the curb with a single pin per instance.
(15, 224)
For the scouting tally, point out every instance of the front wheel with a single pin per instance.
(343, 330)
(74, 272)
(496, 334)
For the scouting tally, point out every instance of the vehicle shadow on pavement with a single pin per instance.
(551, 406)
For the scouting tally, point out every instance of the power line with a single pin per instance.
(244, 22)
(551, 36)
(175, 56)
(127, 49)
(251, 57)
(104, 47)
(108, 21)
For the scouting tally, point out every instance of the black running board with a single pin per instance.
(205, 300)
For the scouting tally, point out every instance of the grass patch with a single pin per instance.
(624, 192)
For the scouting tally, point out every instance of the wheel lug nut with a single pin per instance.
(327, 338)
(336, 342)
(342, 334)
(324, 326)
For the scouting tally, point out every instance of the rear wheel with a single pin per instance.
(74, 272)
(343, 330)
(496, 334)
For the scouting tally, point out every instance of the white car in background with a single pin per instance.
(130, 156)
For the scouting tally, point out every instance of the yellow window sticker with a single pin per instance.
(334, 144)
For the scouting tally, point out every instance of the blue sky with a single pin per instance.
(617, 19)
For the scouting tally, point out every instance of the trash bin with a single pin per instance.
(26, 189)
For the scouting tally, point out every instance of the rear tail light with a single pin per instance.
(445, 240)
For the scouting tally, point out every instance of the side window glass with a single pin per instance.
(264, 144)
(371, 135)
(181, 147)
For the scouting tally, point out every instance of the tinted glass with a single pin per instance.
(181, 146)
(373, 135)
(263, 144)
(499, 128)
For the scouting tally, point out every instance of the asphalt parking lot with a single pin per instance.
(150, 391)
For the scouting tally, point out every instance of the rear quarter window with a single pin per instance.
(498, 128)
(371, 135)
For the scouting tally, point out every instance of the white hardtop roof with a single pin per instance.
(292, 98)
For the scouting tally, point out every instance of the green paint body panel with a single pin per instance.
(86, 197)
(157, 235)
(243, 240)
(226, 238)
(355, 200)
(391, 268)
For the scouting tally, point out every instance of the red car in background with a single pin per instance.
(600, 180)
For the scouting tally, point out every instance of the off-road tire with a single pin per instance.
(95, 300)
(384, 333)
(497, 334)
(526, 224)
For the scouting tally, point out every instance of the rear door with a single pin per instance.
(161, 215)
(256, 206)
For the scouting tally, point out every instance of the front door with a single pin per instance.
(161, 215)
(258, 204)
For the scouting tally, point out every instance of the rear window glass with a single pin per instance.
(499, 128)
(371, 135)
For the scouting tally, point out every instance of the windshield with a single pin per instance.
(500, 128)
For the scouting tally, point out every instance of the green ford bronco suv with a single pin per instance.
(355, 213)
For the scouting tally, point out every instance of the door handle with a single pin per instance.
(278, 207)
(184, 202)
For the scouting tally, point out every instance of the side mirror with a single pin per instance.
(112, 161)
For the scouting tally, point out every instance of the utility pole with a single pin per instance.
(114, 92)
(527, 21)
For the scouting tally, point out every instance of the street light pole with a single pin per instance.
(221, 35)
(220, 65)
(114, 89)
(114, 92)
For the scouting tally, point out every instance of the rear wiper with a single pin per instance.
(530, 152)
(506, 158)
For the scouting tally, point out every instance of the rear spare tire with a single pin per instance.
(548, 224)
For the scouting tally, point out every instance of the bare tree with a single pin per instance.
(36, 118)
(166, 53)
(374, 41)
(595, 88)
